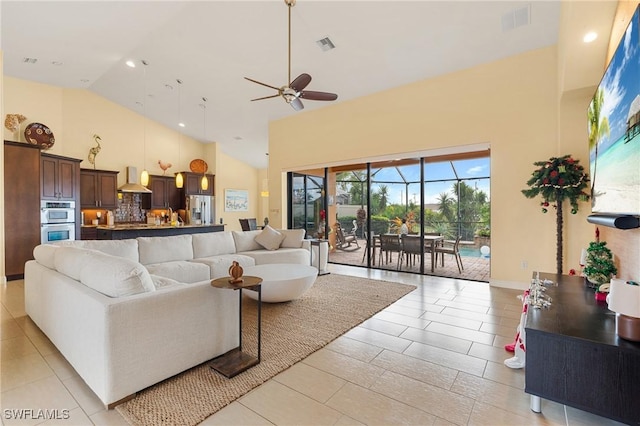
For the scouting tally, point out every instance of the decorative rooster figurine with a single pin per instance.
(164, 166)
(94, 151)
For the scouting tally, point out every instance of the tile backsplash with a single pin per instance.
(129, 208)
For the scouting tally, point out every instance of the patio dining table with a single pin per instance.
(430, 242)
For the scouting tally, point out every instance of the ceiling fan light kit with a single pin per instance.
(294, 90)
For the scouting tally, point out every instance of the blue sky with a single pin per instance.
(621, 84)
(475, 168)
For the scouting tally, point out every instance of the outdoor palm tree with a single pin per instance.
(598, 128)
(383, 197)
(446, 203)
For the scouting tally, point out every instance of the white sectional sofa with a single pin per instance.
(130, 313)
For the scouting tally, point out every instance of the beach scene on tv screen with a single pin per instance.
(614, 130)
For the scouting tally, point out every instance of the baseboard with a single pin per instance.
(508, 284)
(4, 279)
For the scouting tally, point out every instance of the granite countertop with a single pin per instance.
(132, 226)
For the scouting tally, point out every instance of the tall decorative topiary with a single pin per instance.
(556, 180)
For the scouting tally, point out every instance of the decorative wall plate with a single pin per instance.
(39, 134)
(198, 166)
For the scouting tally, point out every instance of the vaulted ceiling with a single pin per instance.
(212, 45)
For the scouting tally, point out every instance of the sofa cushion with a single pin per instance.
(246, 240)
(70, 260)
(114, 276)
(180, 270)
(44, 254)
(219, 265)
(160, 283)
(120, 248)
(293, 237)
(212, 244)
(282, 255)
(165, 249)
(269, 238)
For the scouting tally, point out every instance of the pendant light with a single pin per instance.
(179, 177)
(204, 182)
(144, 176)
(265, 182)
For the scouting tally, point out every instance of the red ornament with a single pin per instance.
(553, 173)
(546, 204)
(560, 181)
(572, 271)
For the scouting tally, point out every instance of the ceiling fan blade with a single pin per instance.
(262, 84)
(296, 104)
(300, 82)
(265, 97)
(318, 96)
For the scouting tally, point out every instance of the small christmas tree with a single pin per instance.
(599, 264)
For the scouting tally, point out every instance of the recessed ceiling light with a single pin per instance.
(238, 138)
(29, 60)
(181, 124)
(131, 64)
(56, 63)
(168, 86)
(590, 36)
(84, 80)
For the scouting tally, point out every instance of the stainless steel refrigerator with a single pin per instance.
(200, 210)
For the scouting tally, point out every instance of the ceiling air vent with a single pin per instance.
(29, 60)
(516, 18)
(325, 44)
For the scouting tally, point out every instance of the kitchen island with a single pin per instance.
(127, 231)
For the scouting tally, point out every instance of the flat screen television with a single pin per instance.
(614, 130)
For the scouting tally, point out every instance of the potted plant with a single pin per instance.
(599, 266)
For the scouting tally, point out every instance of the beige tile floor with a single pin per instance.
(432, 358)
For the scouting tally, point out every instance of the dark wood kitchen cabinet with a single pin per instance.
(98, 189)
(164, 193)
(58, 177)
(192, 184)
(22, 205)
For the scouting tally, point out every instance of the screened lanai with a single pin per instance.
(443, 201)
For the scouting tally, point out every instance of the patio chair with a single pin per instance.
(344, 241)
(389, 244)
(374, 240)
(411, 246)
(447, 248)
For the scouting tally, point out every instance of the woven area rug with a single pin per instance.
(290, 332)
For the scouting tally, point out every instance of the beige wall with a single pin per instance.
(76, 115)
(511, 104)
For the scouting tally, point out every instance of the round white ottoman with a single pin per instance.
(281, 282)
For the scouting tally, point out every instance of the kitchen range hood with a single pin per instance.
(132, 184)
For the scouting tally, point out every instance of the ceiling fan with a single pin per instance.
(294, 91)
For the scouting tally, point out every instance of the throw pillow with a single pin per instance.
(269, 238)
(293, 237)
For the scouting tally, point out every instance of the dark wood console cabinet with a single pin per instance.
(575, 357)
